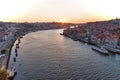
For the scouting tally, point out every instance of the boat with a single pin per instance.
(112, 49)
(100, 49)
(17, 45)
(75, 39)
(21, 36)
(12, 74)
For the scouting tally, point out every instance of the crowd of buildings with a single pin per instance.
(6, 33)
(97, 33)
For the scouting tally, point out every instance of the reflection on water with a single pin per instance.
(46, 55)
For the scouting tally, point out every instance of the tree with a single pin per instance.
(3, 74)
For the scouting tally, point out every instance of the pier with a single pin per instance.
(12, 72)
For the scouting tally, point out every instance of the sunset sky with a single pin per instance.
(77, 11)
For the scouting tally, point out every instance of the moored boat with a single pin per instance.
(17, 45)
(21, 36)
(100, 50)
(75, 39)
(112, 49)
(12, 75)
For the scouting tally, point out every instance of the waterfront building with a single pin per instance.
(104, 32)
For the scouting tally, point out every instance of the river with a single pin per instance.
(46, 55)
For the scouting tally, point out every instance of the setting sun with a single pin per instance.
(63, 20)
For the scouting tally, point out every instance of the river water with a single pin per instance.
(46, 55)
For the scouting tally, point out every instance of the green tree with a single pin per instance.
(3, 74)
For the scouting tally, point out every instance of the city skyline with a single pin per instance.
(75, 11)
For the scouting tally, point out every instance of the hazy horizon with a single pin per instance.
(70, 11)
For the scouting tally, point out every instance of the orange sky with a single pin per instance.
(77, 11)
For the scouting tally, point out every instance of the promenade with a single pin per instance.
(5, 47)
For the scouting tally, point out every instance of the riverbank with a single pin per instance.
(7, 52)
